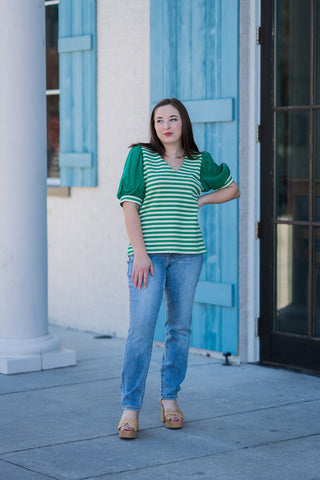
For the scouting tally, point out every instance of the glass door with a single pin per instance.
(290, 183)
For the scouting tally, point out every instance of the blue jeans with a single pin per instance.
(177, 275)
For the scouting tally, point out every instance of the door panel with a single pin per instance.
(194, 57)
(290, 262)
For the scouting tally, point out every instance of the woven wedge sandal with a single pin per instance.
(167, 414)
(133, 423)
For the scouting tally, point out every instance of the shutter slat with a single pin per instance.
(210, 111)
(75, 44)
(214, 293)
(76, 160)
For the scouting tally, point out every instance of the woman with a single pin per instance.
(160, 193)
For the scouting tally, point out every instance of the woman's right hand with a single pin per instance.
(142, 265)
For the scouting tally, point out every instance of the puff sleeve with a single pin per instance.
(131, 188)
(213, 176)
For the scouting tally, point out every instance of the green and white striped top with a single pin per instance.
(168, 198)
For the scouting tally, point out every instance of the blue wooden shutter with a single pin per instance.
(194, 57)
(78, 93)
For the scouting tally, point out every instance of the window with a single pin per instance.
(296, 165)
(52, 92)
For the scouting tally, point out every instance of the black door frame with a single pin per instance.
(284, 349)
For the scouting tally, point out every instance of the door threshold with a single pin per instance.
(293, 368)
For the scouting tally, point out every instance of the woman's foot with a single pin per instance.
(171, 414)
(128, 425)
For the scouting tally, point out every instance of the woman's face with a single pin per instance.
(168, 125)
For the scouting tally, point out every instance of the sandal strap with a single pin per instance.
(168, 413)
(132, 422)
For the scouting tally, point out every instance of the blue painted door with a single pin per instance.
(194, 57)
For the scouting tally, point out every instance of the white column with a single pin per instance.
(25, 344)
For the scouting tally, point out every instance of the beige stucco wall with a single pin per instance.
(86, 235)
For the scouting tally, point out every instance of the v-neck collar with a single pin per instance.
(173, 170)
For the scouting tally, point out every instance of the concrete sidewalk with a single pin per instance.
(241, 422)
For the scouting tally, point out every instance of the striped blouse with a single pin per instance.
(168, 199)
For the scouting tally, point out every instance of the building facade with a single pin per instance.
(248, 72)
(188, 50)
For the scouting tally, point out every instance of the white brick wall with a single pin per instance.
(87, 239)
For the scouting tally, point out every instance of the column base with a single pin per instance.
(33, 363)
(31, 355)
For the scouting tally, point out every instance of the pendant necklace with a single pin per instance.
(173, 157)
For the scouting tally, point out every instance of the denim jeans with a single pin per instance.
(177, 276)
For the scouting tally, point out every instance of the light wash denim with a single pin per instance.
(177, 275)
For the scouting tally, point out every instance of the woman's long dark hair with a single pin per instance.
(188, 143)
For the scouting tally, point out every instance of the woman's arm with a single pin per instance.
(142, 264)
(220, 196)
